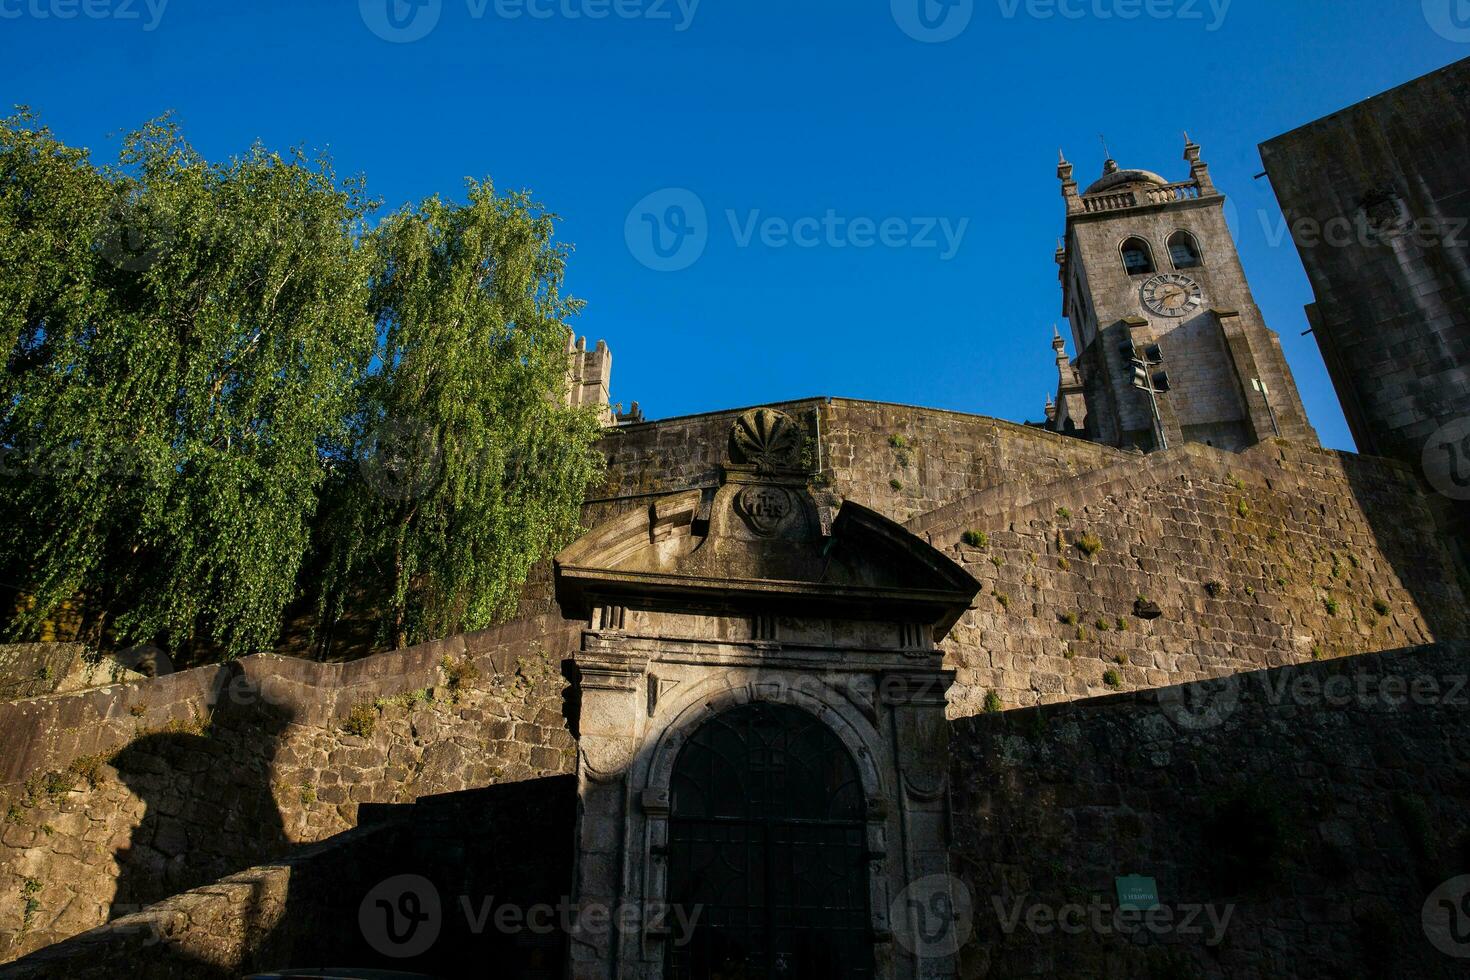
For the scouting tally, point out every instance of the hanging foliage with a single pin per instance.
(198, 353)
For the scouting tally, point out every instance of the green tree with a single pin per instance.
(184, 338)
(465, 468)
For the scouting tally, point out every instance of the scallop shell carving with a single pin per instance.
(768, 439)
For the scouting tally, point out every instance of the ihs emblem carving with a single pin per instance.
(763, 507)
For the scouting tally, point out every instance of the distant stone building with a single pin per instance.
(589, 375)
(589, 381)
(1378, 203)
(1149, 266)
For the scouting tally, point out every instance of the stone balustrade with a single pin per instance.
(1188, 190)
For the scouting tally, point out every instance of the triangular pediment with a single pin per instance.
(757, 542)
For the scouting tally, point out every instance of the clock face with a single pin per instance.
(1172, 295)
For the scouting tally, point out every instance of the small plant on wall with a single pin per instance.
(1146, 608)
(1113, 679)
(361, 721)
(1089, 545)
(30, 888)
(992, 703)
(900, 446)
(976, 539)
(460, 674)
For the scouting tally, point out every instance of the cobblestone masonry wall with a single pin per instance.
(1377, 200)
(1305, 545)
(1276, 556)
(898, 460)
(1295, 820)
(503, 845)
(1312, 810)
(254, 919)
(119, 797)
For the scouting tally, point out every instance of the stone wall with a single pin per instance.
(1297, 818)
(115, 798)
(119, 797)
(29, 670)
(254, 919)
(1376, 199)
(899, 460)
(903, 462)
(1302, 546)
(470, 855)
(1279, 555)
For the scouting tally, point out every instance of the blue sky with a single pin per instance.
(763, 110)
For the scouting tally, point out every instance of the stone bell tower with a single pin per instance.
(1149, 270)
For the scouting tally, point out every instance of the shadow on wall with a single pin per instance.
(474, 883)
(1297, 821)
(470, 882)
(207, 787)
(1401, 517)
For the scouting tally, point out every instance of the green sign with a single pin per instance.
(1137, 893)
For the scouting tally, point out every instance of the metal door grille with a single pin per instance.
(767, 841)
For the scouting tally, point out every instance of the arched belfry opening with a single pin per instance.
(768, 838)
(763, 753)
(1138, 257)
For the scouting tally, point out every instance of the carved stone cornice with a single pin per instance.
(921, 689)
(610, 670)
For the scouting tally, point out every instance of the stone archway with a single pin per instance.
(750, 599)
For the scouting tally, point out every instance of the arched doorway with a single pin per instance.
(767, 840)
